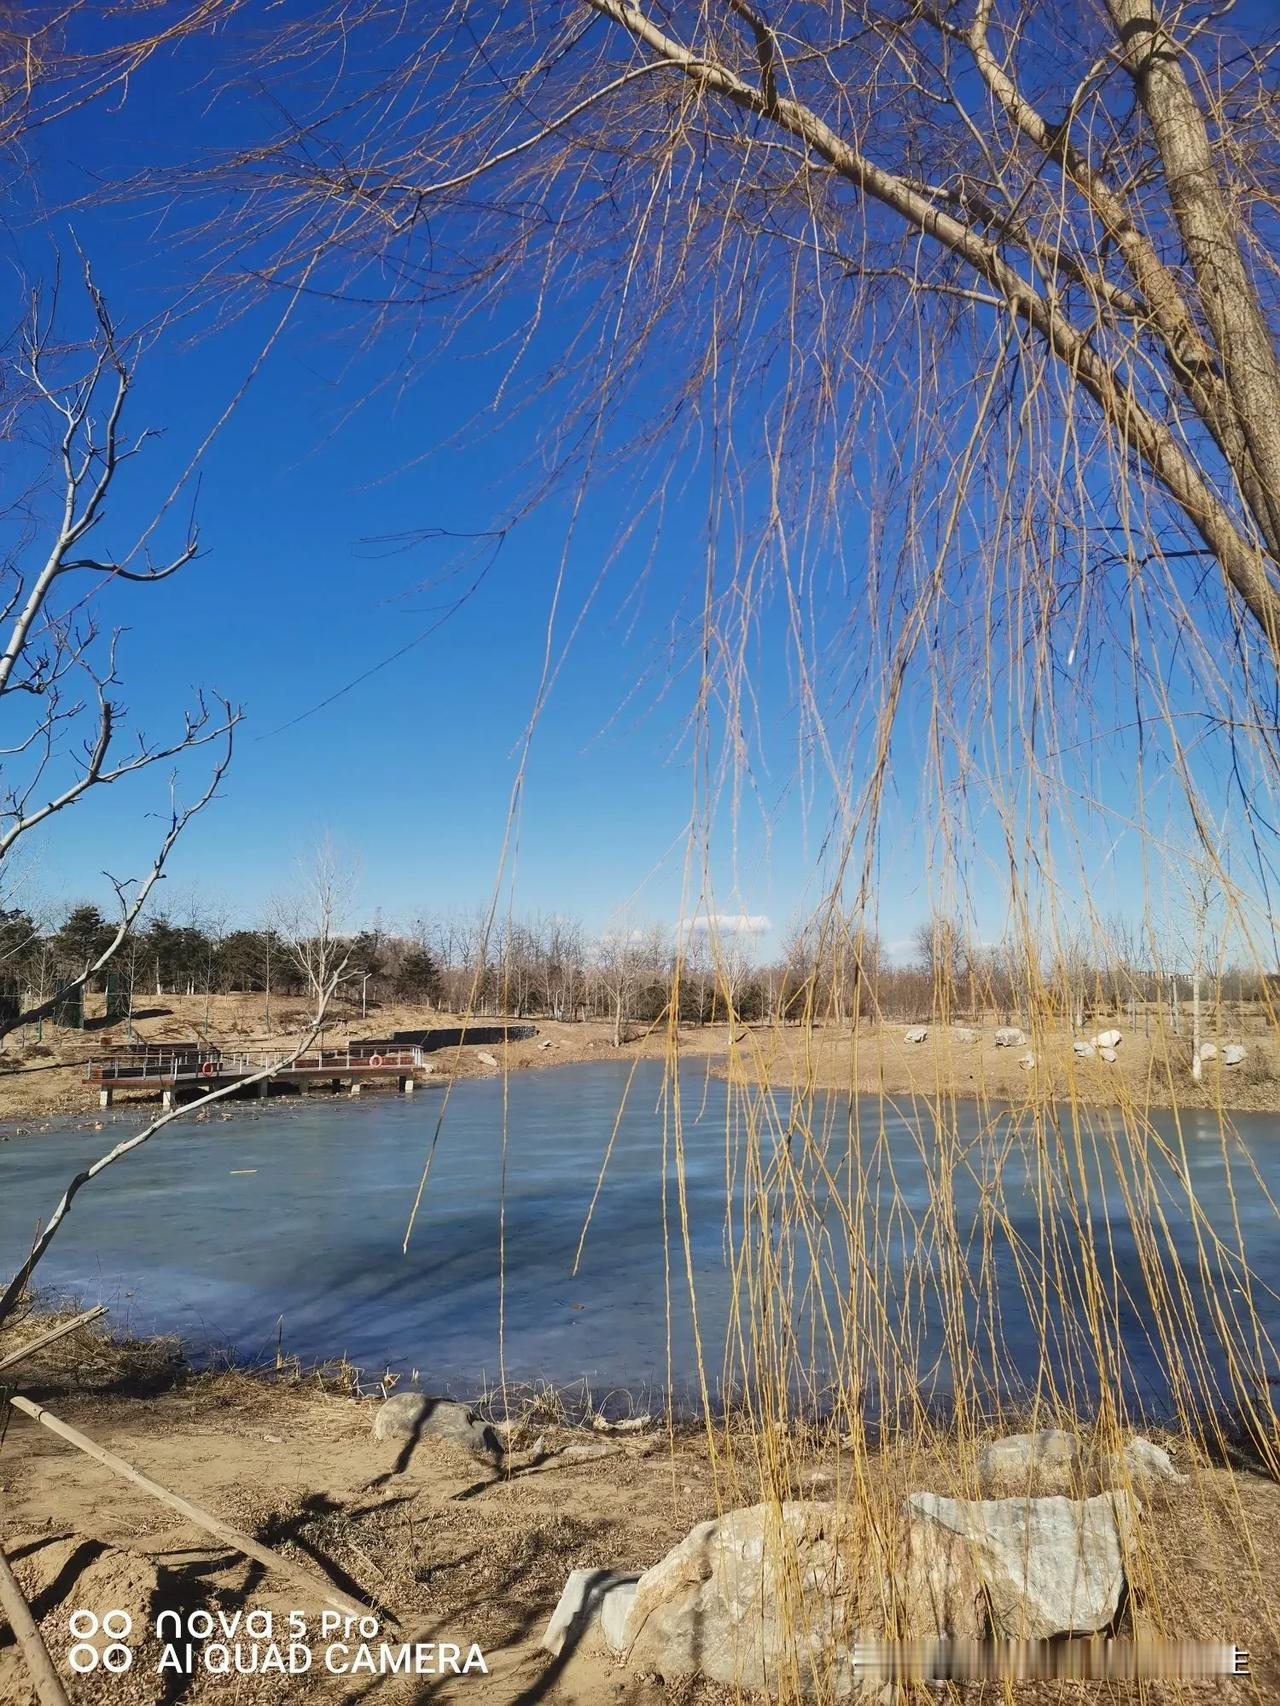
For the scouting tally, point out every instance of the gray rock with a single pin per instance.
(1009, 1036)
(1208, 1050)
(485, 1058)
(1106, 1039)
(591, 1597)
(1017, 1456)
(963, 1034)
(1233, 1054)
(415, 1416)
(1050, 1566)
(761, 1596)
(1086, 1051)
(1142, 1461)
(917, 1034)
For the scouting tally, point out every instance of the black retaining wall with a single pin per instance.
(455, 1036)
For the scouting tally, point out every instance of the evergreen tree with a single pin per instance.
(82, 937)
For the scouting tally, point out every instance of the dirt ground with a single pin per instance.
(46, 1076)
(445, 1548)
(1151, 1069)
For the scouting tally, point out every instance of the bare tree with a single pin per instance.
(312, 926)
(625, 958)
(1201, 894)
(59, 680)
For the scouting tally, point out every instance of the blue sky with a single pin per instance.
(343, 509)
(304, 585)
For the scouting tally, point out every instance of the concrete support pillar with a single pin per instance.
(166, 1099)
(264, 1087)
(104, 1097)
(406, 1086)
(353, 1089)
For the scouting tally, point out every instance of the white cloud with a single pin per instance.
(728, 923)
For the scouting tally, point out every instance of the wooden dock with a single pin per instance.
(179, 1072)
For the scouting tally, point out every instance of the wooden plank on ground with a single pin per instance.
(211, 1524)
(47, 1682)
(38, 1344)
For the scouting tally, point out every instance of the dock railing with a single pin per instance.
(169, 1066)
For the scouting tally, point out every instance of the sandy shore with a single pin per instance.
(1152, 1071)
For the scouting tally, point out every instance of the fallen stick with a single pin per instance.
(48, 1684)
(43, 1339)
(202, 1519)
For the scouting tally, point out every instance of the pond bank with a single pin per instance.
(1151, 1070)
(456, 1551)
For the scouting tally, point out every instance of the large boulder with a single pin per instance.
(1010, 1036)
(1018, 1457)
(1051, 1566)
(772, 1593)
(916, 1034)
(415, 1415)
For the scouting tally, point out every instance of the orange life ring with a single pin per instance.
(375, 1060)
(207, 1069)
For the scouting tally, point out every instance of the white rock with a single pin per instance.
(1107, 1054)
(548, 1042)
(591, 1597)
(766, 1594)
(1017, 1455)
(1009, 1036)
(916, 1034)
(485, 1058)
(628, 1425)
(1233, 1054)
(1208, 1050)
(1027, 1062)
(1142, 1460)
(1106, 1039)
(963, 1034)
(1050, 1565)
(1084, 1050)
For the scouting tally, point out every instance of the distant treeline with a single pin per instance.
(553, 968)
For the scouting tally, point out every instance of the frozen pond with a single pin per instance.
(298, 1210)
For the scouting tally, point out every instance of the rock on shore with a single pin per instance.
(415, 1415)
(773, 1592)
